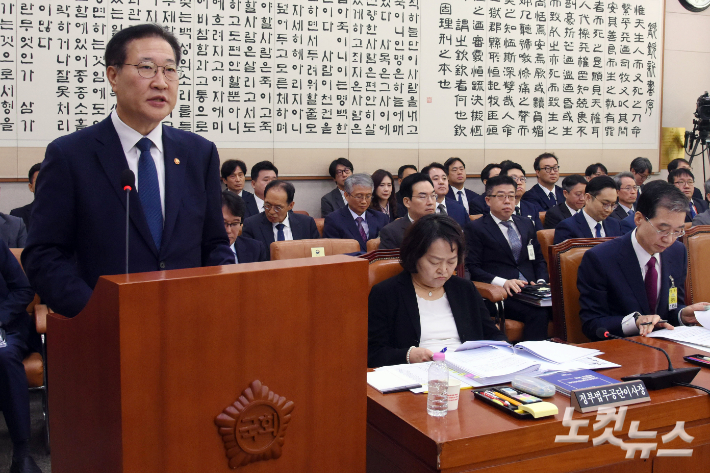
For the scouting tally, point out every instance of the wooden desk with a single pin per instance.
(401, 437)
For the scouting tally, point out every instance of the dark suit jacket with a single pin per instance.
(15, 290)
(576, 227)
(538, 197)
(331, 202)
(489, 254)
(391, 235)
(250, 202)
(393, 318)
(469, 194)
(478, 205)
(697, 194)
(700, 205)
(627, 224)
(250, 250)
(259, 228)
(78, 220)
(556, 214)
(527, 209)
(341, 224)
(24, 212)
(457, 212)
(611, 287)
(702, 219)
(12, 231)
(619, 213)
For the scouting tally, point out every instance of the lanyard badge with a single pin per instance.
(672, 295)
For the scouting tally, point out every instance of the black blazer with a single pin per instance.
(577, 227)
(249, 250)
(393, 318)
(401, 209)
(538, 197)
(556, 214)
(331, 202)
(527, 209)
(391, 235)
(24, 213)
(470, 195)
(259, 228)
(250, 202)
(340, 224)
(490, 256)
(619, 213)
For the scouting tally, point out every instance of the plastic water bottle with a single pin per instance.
(437, 403)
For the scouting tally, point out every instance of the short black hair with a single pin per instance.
(593, 168)
(659, 193)
(116, 49)
(426, 169)
(262, 166)
(404, 168)
(425, 231)
(641, 165)
(234, 204)
(230, 165)
(598, 184)
(536, 164)
(499, 180)
(486, 171)
(285, 185)
(451, 161)
(33, 170)
(679, 172)
(408, 183)
(572, 181)
(511, 165)
(673, 165)
(343, 162)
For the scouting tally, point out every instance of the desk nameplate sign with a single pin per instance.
(611, 395)
(316, 252)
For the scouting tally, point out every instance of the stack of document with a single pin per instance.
(697, 337)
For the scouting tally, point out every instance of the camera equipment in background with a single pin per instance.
(700, 136)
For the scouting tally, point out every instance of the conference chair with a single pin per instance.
(35, 363)
(565, 259)
(542, 217)
(475, 217)
(546, 238)
(319, 225)
(373, 244)
(302, 212)
(303, 248)
(697, 242)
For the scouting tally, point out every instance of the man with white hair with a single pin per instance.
(356, 220)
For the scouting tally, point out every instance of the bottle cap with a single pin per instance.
(439, 356)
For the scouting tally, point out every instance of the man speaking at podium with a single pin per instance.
(79, 214)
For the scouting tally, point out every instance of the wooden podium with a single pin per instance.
(147, 378)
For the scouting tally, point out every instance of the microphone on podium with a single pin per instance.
(128, 182)
(658, 379)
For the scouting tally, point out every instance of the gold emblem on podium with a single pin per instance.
(254, 426)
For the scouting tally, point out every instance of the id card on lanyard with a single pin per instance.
(531, 251)
(672, 295)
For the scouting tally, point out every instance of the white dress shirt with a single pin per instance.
(437, 324)
(464, 200)
(549, 192)
(342, 194)
(259, 203)
(592, 225)
(626, 209)
(288, 236)
(442, 203)
(129, 138)
(365, 226)
(571, 210)
(628, 324)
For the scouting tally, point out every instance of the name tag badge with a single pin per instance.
(672, 296)
(531, 252)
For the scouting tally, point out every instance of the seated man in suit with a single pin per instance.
(503, 250)
(277, 222)
(545, 194)
(628, 193)
(478, 204)
(703, 218)
(641, 168)
(573, 187)
(245, 249)
(21, 339)
(672, 166)
(456, 172)
(12, 231)
(592, 222)
(684, 180)
(403, 172)
(419, 199)
(340, 169)
(356, 220)
(234, 177)
(262, 173)
(25, 211)
(629, 284)
(444, 205)
(595, 170)
(525, 209)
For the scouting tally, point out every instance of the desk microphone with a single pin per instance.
(128, 182)
(658, 379)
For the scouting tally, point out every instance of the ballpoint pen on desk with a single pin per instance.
(443, 350)
(660, 322)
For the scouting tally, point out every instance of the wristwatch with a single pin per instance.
(636, 317)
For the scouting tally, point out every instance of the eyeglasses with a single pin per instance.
(361, 196)
(666, 233)
(549, 169)
(684, 183)
(425, 197)
(502, 197)
(630, 188)
(228, 225)
(148, 70)
(343, 172)
(276, 208)
(609, 206)
(520, 179)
